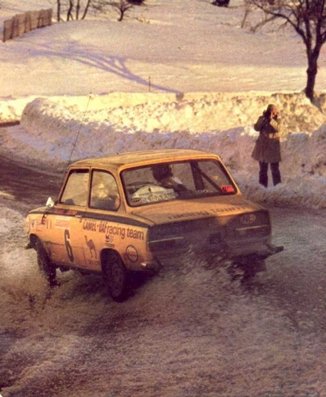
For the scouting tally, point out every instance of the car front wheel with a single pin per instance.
(116, 277)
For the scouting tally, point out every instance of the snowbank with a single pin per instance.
(57, 131)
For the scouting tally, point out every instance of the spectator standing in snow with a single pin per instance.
(267, 149)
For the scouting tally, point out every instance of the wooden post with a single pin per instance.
(21, 18)
(7, 29)
(34, 19)
(28, 22)
(15, 27)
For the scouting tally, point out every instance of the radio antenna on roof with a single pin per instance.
(78, 131)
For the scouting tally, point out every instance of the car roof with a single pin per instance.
(136, 157)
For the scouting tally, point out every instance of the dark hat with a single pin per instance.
(271, 108)
(161, 171)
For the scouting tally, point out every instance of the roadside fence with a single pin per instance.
(23, 23)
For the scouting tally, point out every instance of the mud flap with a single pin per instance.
(268, 250)
(275, 249)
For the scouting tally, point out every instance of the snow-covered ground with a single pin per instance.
(170, 75)
(174, 73)
(179, 46)
(190, 331)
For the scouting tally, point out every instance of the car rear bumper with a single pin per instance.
(228, 249)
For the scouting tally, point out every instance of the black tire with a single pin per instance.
(246, 271)
(44, 264)
(116, 277)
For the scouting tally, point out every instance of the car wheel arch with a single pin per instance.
(108, 254)
(47, 268)
(33, 239)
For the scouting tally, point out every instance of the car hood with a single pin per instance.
(195, 209)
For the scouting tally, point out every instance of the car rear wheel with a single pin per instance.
(45, 265)
(246, 271)
(250, 270)
(116, 277)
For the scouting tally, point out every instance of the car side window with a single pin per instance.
(104, 191)
(76, 189)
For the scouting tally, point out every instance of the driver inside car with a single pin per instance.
(163, 175)
(103, 195)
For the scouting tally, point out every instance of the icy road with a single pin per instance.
(190, 331)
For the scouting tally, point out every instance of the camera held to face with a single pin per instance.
(271, 113)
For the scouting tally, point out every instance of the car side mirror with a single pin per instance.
(49, 202)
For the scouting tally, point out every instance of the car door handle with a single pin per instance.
(79, 216)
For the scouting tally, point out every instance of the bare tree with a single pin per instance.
(70, 9)
(58, 10)
(74, 9)
(88, 3)
(78, 9)
(308, 19)
(122, 6)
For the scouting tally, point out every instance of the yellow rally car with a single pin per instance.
(124, 213)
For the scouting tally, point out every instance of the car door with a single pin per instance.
(103, 205)
(66, 246)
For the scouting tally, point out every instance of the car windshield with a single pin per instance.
(176, 180)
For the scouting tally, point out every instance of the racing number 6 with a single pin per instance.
(68, 246)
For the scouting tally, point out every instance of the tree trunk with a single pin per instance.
(69, 12)
(311, 77)
(122, 12)
(77, 9)
(86, 9)
(58, 10)
(312, 69)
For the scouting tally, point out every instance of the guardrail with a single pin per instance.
(23, 23)
(9, 124)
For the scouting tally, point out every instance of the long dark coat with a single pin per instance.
(267, 147)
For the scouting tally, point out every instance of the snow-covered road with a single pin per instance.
(188, 332)
(177, 74)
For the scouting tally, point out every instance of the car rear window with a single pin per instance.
(176, 180)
